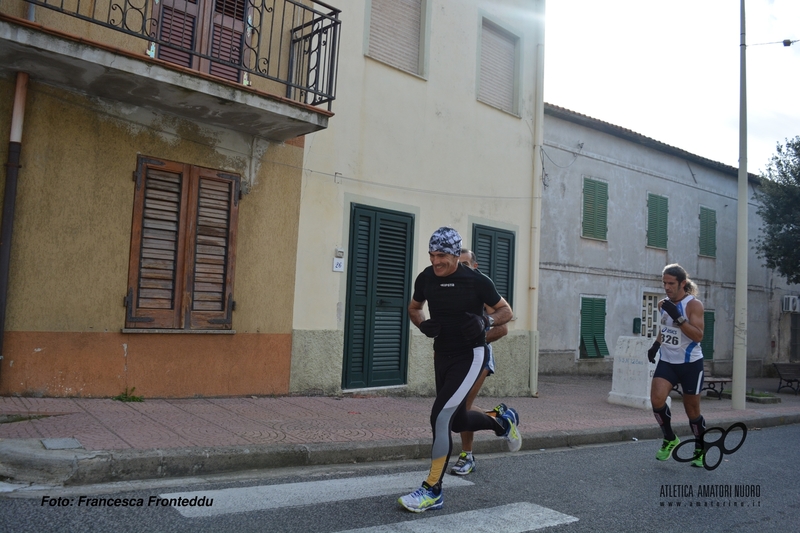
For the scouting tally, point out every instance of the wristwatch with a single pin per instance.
(490, 319)
(680, 321)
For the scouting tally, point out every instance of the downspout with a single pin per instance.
(536, 208)
(10, 196)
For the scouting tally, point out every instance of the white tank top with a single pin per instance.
(676, 347)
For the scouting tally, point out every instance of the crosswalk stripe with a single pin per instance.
(244, 499)
(511, 518)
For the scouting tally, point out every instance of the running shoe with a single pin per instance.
(498, 411)
(698, 458)
(422, 499)
(665, 452)
(512, 432)
(464, 465)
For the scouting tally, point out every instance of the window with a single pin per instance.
(494, 250)
(595, 209)
(707, 344)
(499, 60)
(650, 320)
(593, 328)
(657, 209)
(708, 232)
(209, 27)
(182, 247)
(395, 33)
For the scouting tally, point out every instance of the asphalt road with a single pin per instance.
(617, 487)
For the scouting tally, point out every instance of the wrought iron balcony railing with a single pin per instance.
(253, 42)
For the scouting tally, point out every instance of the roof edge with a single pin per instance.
(638, 138)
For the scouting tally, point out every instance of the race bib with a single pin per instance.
(670, 336)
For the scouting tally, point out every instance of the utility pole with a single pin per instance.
(740, 319)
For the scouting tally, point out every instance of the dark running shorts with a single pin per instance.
(689, 375)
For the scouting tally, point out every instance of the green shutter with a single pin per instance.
(708, 232)
(494, 251)
(657, 210)
(593, 326)
(707, 344)
(602, 210)
(599, 330)
(595, 209)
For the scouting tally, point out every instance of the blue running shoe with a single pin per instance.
(422, 499)
(498, 412)
(512, 435)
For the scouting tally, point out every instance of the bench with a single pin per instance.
(789, 376)
(710, 382)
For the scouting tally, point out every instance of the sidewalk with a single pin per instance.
(79, 441)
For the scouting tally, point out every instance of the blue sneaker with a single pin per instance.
(512, 433)
(422, 499)
(498, 412)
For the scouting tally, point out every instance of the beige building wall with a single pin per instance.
(423, 145)
(71, 246)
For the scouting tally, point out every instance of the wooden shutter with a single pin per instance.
(707, 344)
(494, 251)
(177, 26)
(358, 337)
(211, 253)
(155, 282)
(183, 244)
(227, 37)
(497, 68)
(708, 232)
(378, 288)
(588, 348)
(393, 282)
(595, 209)
(593, 325)
(599, 327)
(395, 32)
(657, 210)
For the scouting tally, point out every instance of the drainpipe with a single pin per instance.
(536, 209)
(10, 196)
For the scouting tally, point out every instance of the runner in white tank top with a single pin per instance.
(681, 360)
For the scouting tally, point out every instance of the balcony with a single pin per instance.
(262, 67)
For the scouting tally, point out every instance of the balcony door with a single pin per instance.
(188, 30)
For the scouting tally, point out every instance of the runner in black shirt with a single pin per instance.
(456, 296)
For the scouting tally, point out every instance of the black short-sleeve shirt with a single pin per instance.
(449, 299)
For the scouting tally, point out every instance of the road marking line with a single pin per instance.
(511, 518)
(239, 500)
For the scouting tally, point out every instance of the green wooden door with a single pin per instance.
(378, 289)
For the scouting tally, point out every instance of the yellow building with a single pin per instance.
(152, 192)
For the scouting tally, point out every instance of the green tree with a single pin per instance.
(779, 197)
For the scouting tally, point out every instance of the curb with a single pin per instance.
(27, 460)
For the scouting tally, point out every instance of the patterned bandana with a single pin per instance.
(445, 240)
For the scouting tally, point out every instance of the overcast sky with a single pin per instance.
(670, 70)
